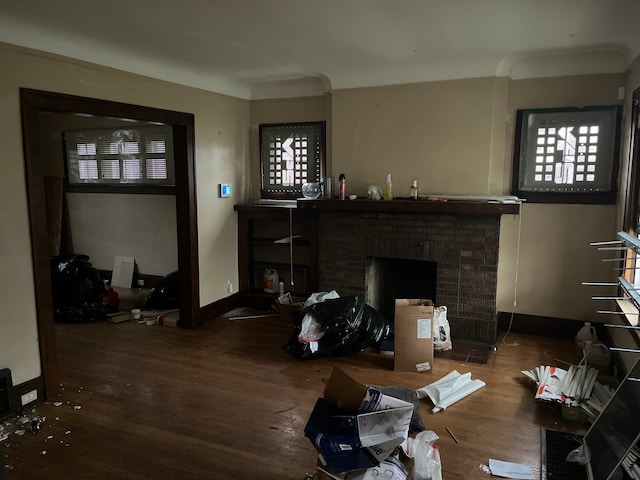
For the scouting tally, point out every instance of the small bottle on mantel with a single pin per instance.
(342, 192)
(414, 189)
(388, 188)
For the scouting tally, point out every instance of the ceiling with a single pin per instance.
(277, 48)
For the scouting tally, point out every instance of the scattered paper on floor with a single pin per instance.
(510, 470)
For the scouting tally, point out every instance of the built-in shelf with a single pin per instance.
(283, 238)
(297, 242)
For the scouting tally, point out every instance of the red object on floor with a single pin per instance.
(111, 297)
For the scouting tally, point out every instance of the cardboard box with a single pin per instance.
(286, 309)
(413, 337)
(355, 427)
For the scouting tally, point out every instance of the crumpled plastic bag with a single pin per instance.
(426, 457)
(320, 297)
(310, 330)
(441, 329)
(580, 455)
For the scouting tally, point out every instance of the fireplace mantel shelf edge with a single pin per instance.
(410, 206)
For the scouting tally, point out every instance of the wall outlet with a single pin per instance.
(29, 397)
(229, 286)
(140, 282)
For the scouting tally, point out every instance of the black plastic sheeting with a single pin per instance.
(76, 289)
(345, 326)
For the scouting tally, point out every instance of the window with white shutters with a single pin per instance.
(112, 157)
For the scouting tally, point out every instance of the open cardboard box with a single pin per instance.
(356, 427)
(287, 309)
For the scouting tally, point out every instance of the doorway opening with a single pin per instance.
(34, 103)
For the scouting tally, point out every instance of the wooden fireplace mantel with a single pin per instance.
(452, 207)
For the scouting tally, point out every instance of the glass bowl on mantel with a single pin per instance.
(311, 190)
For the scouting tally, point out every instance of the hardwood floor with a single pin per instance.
(133, 408)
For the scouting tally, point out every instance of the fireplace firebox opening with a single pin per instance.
(389, 278)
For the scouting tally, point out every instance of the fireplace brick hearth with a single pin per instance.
(463, 245)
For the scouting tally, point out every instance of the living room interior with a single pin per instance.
(430, 93)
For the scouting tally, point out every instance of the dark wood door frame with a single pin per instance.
(32, 103)
(632, 202)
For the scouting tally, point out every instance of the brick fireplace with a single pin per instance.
(463, 244)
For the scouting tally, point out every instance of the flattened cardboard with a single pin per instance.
(413, 337)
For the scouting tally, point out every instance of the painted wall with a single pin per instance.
(106, 225)
(221, 152)
(439, 133)
(456, 137)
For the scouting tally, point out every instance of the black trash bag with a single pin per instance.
(76, 288)
(83, 313)
(166, 295)
(342, 327)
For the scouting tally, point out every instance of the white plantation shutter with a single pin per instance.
(110, 169)
(139, 156)
(88, 169)
(132, 169)
(156, 168)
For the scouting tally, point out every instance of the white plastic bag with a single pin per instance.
(442, 332)
(580, 455)
(310, 330)
(320, 297)
(426, 457)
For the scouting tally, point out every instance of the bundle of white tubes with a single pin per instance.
(577, 386)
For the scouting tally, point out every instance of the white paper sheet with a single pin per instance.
(510, 470)
(449, 389)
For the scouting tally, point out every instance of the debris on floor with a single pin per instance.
(581, 391)
(31, 425)
(363, 432)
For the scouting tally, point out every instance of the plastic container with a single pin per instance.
(270, 280)
(327, 187)
(388, 188)
(586, 334)
(597, 355)
(414, 189)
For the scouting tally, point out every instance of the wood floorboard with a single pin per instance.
(224, 401)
